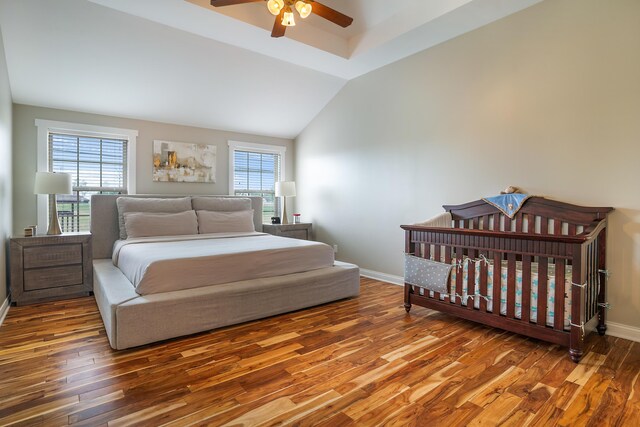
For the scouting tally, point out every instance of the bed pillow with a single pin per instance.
(221, 204)
(225, 222)
(145, 224)
(151, 205)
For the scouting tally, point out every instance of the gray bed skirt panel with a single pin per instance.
(132, 320)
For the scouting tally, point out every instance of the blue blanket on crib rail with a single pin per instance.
(508, 204)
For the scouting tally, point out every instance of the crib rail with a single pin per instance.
(508, 242)
(538, 216)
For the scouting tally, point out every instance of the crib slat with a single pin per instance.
(507, 223)
(496, 222)
(519, 222)
(476, 223)
(526, 288)
(511, 285)
(485, 222)
(591, 280)
(471, 279)
(427, 251)
(543, 265)
(484, 270)
(558, 311)
(602, 265)
(557, 227)
(459, 273)
(436, 257)
(447, 259)
(587, 294)
(572, 229)
(544, 225)
(497, 274)
(577, 299)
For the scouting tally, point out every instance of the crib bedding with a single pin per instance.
(551, 287)
(165, 264)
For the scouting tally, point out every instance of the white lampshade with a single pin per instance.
(285, 189)
(52, 183)
(275, 6)
(304, 9)
(288, 20)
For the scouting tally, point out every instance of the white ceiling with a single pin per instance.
(185, 62)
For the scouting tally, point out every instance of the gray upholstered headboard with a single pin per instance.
(104, 219)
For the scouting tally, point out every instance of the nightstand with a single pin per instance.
(296, 231)
(46, 267)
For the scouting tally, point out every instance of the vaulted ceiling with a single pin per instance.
(185, 62)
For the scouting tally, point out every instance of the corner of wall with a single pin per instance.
(6, 198)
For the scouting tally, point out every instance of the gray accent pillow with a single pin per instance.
(145, 224)
(225, 222)
(221, 204)
(136, 204)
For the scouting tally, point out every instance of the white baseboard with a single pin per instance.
(623, 331)
(4, 310)
(384, 277)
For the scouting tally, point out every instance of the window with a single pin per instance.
(254, 170)
(98, 159)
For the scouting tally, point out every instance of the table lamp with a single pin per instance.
(53, 183)
(285, 189)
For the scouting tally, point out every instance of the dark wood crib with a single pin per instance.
(550, 235)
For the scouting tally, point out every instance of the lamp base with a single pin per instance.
(54, 224)
(284, 211)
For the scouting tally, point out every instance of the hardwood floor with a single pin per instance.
(362, 361)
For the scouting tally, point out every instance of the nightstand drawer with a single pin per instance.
(55, 277)
(294, 231)
(52, 255)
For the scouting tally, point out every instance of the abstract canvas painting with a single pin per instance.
(183, 162)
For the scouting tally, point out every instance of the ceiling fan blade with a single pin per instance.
(278, 28)
(330, 14)
(218, 3)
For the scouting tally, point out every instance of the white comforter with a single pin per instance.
(164, 264)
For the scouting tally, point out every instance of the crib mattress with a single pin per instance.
(533, 315)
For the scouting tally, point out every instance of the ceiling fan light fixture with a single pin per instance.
(304, 9)
(287, 18)
(275, 6)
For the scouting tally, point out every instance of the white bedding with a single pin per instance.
(171, 263)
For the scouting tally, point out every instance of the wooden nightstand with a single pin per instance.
(296, 231)
(45, 267)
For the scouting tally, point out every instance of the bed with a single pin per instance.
(152, 287)
(541, 273)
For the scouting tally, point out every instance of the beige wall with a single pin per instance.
(5, 169)
(547, 99)
(25, 143)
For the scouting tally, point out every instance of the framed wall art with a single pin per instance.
(183, 162)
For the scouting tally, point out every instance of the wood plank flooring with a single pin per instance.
(362, 361)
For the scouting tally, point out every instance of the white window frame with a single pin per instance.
(50, 126)
(257, 148)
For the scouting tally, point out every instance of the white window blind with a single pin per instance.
(96, 165)
(255, 174)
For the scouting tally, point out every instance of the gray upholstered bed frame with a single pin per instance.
(131, 320)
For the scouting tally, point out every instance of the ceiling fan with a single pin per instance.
(283, 9)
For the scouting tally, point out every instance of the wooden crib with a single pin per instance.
(546, 234)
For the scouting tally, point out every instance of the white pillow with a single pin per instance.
(220, 204)
(225, 222)
(145, 224)
(149, 204)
